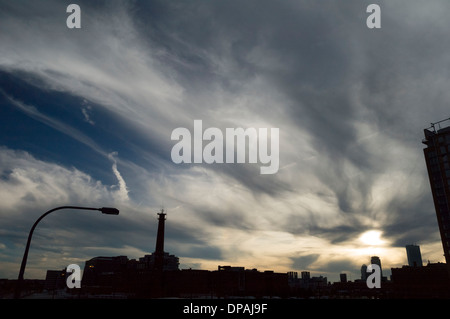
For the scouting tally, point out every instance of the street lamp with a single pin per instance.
(104, 210)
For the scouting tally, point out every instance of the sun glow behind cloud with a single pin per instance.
(372, 238)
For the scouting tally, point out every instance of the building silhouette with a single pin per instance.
(437, 152)
(158, 275)
(414, 256)
(55, 279)
(364, 272)
(430, 281)
(142, 277)
(418, 281)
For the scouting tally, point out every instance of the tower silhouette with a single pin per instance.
(159, 249)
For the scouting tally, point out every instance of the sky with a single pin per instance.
(86, 117)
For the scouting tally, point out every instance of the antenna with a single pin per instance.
(433, 125)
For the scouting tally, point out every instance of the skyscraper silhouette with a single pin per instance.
(414, 256)
(437, 154)
(363, 272)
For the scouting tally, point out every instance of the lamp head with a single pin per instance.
(109, 210)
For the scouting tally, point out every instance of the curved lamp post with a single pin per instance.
(104, 210)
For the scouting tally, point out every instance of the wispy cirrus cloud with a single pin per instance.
(58, 125)
(86, 110)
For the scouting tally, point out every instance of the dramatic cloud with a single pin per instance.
(87, 115)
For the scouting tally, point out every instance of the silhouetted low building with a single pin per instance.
(307, 286)
(105, 274)
(169, 262)
(55, 279)
(237, 281)
(430, 281)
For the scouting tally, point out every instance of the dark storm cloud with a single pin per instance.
(304, 262)
(412, 221)
(342, 266)
(203, 252)
(339, 234)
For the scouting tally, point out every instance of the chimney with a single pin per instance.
(159, 250)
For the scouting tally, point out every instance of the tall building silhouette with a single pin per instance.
(376, 260)
(437, 140)
(364, 272)
(414, 256)
(159, 250)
